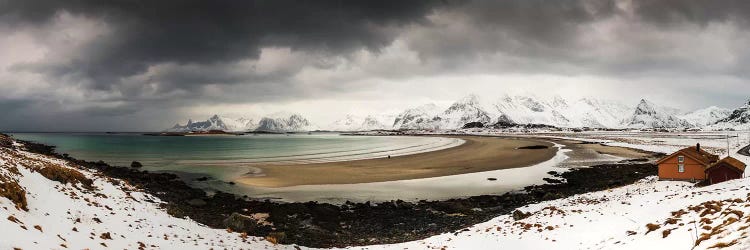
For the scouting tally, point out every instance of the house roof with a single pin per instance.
(701, 156)
(729, 161)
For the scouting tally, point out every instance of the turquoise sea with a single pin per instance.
(225, 157)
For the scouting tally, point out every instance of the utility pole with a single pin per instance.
(728, 153)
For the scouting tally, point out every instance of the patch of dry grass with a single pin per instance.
(65, 175)
(652, 227)
(10, 189)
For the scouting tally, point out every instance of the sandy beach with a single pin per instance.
(478, 154)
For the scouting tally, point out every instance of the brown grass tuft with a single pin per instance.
(10, 189)
(723, 244)
(652, 227)
(65, 175)
(105, 236)
(666, 233)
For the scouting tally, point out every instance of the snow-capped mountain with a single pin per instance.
(280, 122)
(596, 113)
(358, 123)
(417, 118)
(650, 115)
(284, 122)
(376, 122)
(348, 123)
(466, 110)
(519, 109)
(532, 110)
(739, 119)
(216, 122)
(706, 116)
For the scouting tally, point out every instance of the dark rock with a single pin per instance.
(196, 202)
(136, 164)
(474, 125)
(553, 181)
(518, 215)
(491, 179)
(240, 223)
(534, 147)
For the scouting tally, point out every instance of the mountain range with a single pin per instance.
(280, 122)
(506, 110)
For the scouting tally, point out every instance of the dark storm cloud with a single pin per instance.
(566, 37)
(166, 55)
(210, 33)
(666, 12)
(207, 32)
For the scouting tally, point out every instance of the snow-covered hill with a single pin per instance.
(650, 115)
(706, 116)
(48, 203)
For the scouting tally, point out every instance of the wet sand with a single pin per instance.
(477, 154)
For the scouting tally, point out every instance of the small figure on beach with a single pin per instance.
(389, 156)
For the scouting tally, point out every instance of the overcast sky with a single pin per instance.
(144, 65)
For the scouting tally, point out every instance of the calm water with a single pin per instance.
(226, 157)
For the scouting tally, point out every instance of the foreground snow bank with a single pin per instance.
(649, 214)
(105, 214)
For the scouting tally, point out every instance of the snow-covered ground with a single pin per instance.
(111, 214)
(616, 219)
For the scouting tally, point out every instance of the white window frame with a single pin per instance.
(681, 159)
(681, 168)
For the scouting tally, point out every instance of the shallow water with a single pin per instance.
(225, 157)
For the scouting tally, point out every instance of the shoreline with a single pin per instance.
(476, 154)
(314, 224)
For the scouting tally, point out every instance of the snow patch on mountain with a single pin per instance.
(739, 119)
